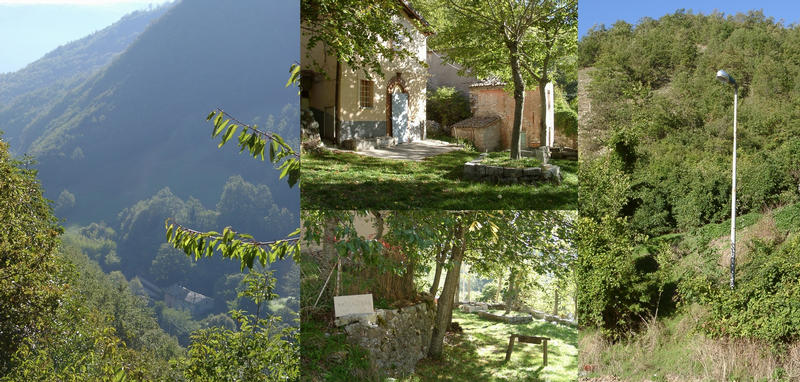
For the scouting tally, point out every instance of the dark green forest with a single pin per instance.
(110, 129)
(135, 120)
(655, 194)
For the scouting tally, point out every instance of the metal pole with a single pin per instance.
(733, 191)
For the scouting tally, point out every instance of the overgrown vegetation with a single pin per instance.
(655, 199)
(447, 106)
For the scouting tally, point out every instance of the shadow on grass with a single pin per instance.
(478, 354)
(351, 181)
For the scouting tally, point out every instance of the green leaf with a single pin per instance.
(218, 128)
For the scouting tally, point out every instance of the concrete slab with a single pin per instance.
(416, 151)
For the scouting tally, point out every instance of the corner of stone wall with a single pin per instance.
(396, 339)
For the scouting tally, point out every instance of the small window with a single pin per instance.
(366, 97)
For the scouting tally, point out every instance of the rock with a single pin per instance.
(350, 318)
(399, 340)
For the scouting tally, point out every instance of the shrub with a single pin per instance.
(447, 106)
(616, 286)
(765, 302)
(566, 119)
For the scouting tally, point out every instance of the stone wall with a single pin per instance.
(506, 319)
(549, 317)
(477, 171)
(395, 338)
(485, 139)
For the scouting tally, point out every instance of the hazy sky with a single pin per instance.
(592, 12)
(31, 28)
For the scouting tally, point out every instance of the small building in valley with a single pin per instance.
(179, 297)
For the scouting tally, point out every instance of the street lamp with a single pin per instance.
(726, 78)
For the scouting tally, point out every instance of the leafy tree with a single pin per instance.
(447, 106)
(259, 351)
(170, 266)
(99, 331)
(614, 285)
(352, 30)
(488, 240)
(518, 42)
(65, 201)
(656, 111)
(32, 279)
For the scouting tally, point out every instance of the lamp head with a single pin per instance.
(725, 77)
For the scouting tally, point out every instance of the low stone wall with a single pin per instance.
(475, 170)
(395, 338)
(506, 319)
(549, 317)
(472, 307)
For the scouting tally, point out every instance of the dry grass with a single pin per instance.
(765, 230)
(792, 362)
(726, 359)
(589, 137)
(672, 350)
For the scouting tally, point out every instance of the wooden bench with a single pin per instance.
(528, 340)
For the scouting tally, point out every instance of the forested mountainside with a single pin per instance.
(655, 178)
(78, 59)
(657, 105)
(136, 125)
(115, 124)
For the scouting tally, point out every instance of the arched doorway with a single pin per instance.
(397, 109)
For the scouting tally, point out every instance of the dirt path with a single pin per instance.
(415, 151)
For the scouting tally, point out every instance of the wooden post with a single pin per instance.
(528, 340)
(510, 347)
(544, 352)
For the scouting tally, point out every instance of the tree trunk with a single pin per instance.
(338, 288)
(444, 309)
(378, 225)
(499, 281)
(439, 262)
(456, 296)
(469, 288)
(519, 99)
(555, 303)
(543, 119)
(512, 290)
(408, 280)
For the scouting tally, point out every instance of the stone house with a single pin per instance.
(179, 297)
(493, 118)
(350, 105)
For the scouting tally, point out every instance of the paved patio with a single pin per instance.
(415, 151)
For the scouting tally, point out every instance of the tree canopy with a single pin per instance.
(520, 43)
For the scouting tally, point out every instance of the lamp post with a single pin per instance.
(726, 78)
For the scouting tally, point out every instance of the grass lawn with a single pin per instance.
(479, 353)
(352, 181)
